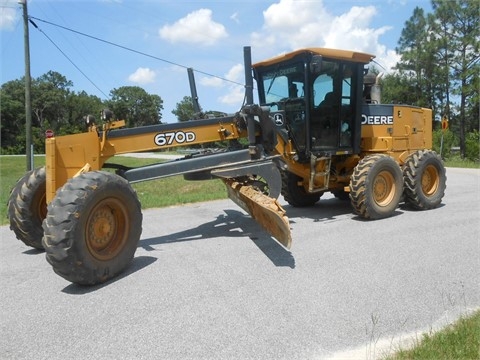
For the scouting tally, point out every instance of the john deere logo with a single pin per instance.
(278, 118)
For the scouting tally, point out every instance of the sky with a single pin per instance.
(101, 45)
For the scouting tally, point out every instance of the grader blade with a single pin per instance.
(264, 209)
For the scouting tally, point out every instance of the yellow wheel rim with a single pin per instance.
(107, 229)
(384, 188)
(41, 209)
(430, 180)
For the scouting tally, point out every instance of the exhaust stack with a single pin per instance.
(373, 90)
(376, 92)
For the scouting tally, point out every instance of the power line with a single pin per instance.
(66, 56)
(134, 51)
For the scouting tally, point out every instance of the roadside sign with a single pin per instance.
(444, 124)
(49, 133)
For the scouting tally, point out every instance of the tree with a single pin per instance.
(49, 95)
(398, 88)
(439, 64)
(79, 105)
(184, 109)
(12, 114)
(439, 33)
(134, 105)
(459, 21)
(56, 107)
(49, 98)
(416, 59)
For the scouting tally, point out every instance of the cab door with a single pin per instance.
(333, 106)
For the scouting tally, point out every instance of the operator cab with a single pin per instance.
(315, 96)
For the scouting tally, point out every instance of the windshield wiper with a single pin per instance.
(271, 81)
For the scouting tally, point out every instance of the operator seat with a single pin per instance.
(328, 100)
(324, 122)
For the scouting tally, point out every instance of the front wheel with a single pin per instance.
(376, 186)
(425, 180)
(27, 207)
(92, 228)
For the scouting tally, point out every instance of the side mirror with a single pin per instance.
(316, 64)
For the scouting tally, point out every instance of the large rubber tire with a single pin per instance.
(27, 207)
(376, 187)
(92, 228)
(425, 180)
(295, 194)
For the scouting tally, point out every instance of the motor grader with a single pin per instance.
(319, 127)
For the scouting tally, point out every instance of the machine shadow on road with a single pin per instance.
(33, 251)
(328, 210)
(138, 263)
(230, 224)
(325, 210)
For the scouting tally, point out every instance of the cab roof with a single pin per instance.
(346, 55)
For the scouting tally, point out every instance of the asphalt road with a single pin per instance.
(207, 283)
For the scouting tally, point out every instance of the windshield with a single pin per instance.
(283, 82)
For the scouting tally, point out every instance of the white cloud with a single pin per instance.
(233, 93)
(235, 18)
(386, 60)
(351, 31)
(235, 73)
(197, 27)
(8, 15)
(313, 25)
(304, 28)
(288, 15)
(234, 96)
(211, 81)
(142, 76)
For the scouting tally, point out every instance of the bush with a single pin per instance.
(472, 146)
(449, 140)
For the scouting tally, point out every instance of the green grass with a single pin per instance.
(157, 193)
(12, 168)
(459, 341)
(172, 190)
(456, 161)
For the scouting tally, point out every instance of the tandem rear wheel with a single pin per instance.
(92, 228)
(376, 187)
(378, 183)
(425, 180)
(27, 207)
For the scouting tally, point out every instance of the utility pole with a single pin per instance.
(28, 88)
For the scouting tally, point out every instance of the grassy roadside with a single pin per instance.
(459, 163)
(157, 193)
(459, 341)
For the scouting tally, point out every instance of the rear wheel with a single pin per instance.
(27, 208)
(92, 228)
(425, 180)
(376, 187)
(294, 193)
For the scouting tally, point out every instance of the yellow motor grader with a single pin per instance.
(319, 127)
